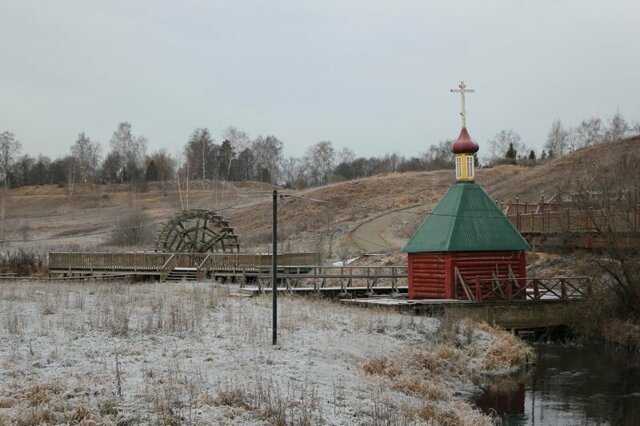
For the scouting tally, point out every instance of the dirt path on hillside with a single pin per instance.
(379, 235)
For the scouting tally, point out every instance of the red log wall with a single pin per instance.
(431, 275)
(427, 275)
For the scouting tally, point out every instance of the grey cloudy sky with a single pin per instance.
(371, 75)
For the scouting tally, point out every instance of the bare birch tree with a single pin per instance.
(199, 154)
(557, 140)
(320, 160)
(86, 155)
(268, 156)
(618, 128)
(9, 151)
(500, 143)
(130, 152)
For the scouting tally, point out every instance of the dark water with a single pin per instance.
(592, 384)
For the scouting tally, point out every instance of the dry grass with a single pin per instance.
(506, 351)
(622, 333)
(430, 373)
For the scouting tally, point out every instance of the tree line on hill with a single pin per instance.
(240, 158)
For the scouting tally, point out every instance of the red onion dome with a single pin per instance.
(464, 144)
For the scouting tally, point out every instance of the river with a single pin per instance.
(569, 385)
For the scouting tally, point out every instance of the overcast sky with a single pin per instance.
(370, 75)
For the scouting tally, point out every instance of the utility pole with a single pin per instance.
(274, 267)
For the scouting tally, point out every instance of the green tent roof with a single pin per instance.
(466, 219)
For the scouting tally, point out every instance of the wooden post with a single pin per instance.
(394, 282)
(635, 210)
(274, 268)
(536, 289)
(563, 289)
(478, 290)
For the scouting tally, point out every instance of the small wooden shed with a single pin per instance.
(466, 248)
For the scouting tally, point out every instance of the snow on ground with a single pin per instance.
(195, 353)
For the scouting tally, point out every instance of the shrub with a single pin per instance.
(22, 262)
(132, 229)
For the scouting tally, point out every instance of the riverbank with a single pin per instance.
(196, 353)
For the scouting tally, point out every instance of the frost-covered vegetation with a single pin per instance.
(196, 353)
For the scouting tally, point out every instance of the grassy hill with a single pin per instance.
(47, 217)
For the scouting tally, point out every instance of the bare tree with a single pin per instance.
(130, 152)
(439, 156)
(320, 159)
(163, 166)
(610, 201)
(618, 128)
(291, 171)
(239, 140)
(501, 141)
(9, 150)
(557, 140)
(70, 173)
(227, 155)
(589, 132)
(346, 155)
(200, 154)
(86, 155)
(244, 165)
(23, 167)
(268, 156)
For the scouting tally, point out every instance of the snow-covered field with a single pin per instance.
(196, 353)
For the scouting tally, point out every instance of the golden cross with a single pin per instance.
(462, 90)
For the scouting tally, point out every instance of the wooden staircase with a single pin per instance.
(183, 274)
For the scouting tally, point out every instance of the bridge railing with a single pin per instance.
(545, 288)
(344, 277)
(575, 221)
(153, 262)
(133, 261)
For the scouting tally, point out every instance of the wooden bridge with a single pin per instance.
(333, 280)
(538, 303)
(552, 225)
(374, 280)
(163, 265)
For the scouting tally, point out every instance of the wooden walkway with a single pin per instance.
(350, 292)
(392, 280)
(323, 278)
(562, 224)
(160, 265)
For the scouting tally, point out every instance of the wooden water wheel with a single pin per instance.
(197, 231)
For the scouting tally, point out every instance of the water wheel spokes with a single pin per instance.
(197, 231)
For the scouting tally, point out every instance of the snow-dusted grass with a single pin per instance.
(194, 353)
